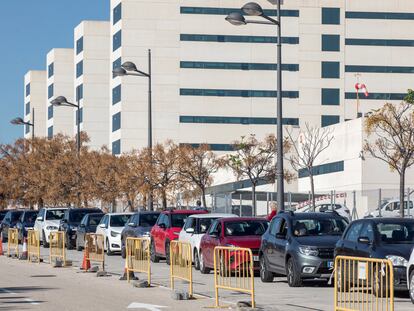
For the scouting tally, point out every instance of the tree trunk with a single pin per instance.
(402, 191)
(254, 211)
(312, 184)
(164, 200)
(203, 196)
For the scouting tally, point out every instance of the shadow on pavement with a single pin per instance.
(21, 289)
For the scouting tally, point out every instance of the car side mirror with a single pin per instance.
(364, 240)
(189, 230)
(103, 226)
(132, 224)
(40, 218)
(280, 236)
(162, 226)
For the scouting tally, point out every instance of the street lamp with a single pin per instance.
(237, 19)
(20, 121)
(130, 69)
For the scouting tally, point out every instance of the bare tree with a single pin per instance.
(308, 146)
(393, 127)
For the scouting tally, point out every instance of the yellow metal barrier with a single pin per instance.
(33, 246)
(12, 243)
(233, 270)
(363, 284)
(94, 248)
(138, 256)
(57, 247)
(181, 264)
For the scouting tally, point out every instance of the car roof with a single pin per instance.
(147, 213)
(183, 211)
(114, 214)
(94, 214)
(230, 219)
(55, 208)
(309, 215)
(83, 209)
(388, 220)
(214, 215)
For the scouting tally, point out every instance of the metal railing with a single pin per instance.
(233, 270)
(363, 284)
(95, 248)
(33, 246)
(12, 242)
(181, 264)
(138, 256)
(57, 247)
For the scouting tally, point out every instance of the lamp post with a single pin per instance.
(237, 19)
(20, 121)
(130, 69)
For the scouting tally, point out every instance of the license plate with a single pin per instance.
(330, 264)
(255, 258)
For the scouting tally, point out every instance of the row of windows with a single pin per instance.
(327, 120)
(117, 40)
(50, 132)
(27, 108)
(237, 93)
(380, 42)
(213, 147)
(236, 120)
(79, 69)
(79, 92)
(80, 112)
(116, 147)
(227, 11)
(379, 15)
(116, 94)
(79, 45)
(237, 66)
(49, 112)
(116, 121)
(379, 69)
(50, 91)
(116, 64)
(117, 13)
(239, 39)
(323, 169)
(50, 70)
(27, 88)
(378, 96)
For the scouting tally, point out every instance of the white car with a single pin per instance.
(391, 208)
(111, 226)
(341, 209)
(47, 221)
(193, 230)
(410, 276)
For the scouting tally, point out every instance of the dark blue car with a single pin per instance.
(26, 222)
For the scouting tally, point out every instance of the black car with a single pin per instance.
(2, 214)
(70, 222)
(383, 238)
(138, 225)
(26, 221)
(9, 221)
(88, 224)
(300, 246)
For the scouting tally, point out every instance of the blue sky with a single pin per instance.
(28, 30)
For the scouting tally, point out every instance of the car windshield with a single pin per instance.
(318, 226)
(246, 227)
(396, 233)
(15, 216)
(2, 216)
(119, 220)
(148, 220)
(56, 214)
(30, 217)
(178, 220)
(94, 219)
(205, 224)
(75, 217)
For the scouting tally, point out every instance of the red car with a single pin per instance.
(167, 228)
(239, 232)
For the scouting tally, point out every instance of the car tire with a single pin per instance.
(69, 245)
(167, 252)
(45, 244)
(196, 260)
(292, 273)
(154, 257)
(3, 238)
(108, 248)
(265, 275)
(123, 252)
(78, 247)
(411, 286)
(203, 268)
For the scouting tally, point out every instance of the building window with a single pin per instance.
(26, 129)
(116, 64)
(50, 112)
(50, 91)
(79, 69)
(331, 16)
(380, 42)
(79, 45)
(50, 70)
(323, 169)
(27, 108)
(80, 111)
(237, 66)
(330, 97)
(79, 92)
(213, 147)
(227, 11)
(237, 93)
(330, 43)
(116, 94)
(378, 96)
(236, 120)
(27, 89)
(50, 132)
(116, 147)
(117, 13)
(380, 15)
(330, 70)
(239, 39)
(117, 40)
(379, 69)
(329, 120)
(116, 121)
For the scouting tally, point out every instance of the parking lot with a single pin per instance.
(41, 287)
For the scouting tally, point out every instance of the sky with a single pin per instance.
(29, 29)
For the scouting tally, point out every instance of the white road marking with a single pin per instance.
(146, 306)
(32, 302)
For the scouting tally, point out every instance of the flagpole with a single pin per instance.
(357, 104)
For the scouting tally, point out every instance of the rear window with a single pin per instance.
(119, 220)
(178, 220)
(15, 216)
(55, 214)
(396, 233)
(319, 226)
(94, 220)
(76, 216)
(30, 216)
(148, 220)
(245, 228)
(205, 223)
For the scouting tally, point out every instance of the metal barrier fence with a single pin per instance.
(12, 242)
(57, 247)
(94, 248)
(33, 246)
(138, 256)
(363, 284)
(181, 264)
(233, 270)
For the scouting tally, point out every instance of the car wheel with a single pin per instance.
(45, 244)
(154, 257)
(203, 268)
(69, 244)
(78, 247)
(292, 273)
(265, 275)
(108, 248)
(411, 282)
(196, 260)
(123, 252)
(167, 252)
(3, 238)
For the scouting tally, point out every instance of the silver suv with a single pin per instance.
(47, 221)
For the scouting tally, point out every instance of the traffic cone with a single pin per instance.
(1, 244)
(23, 255)
(124, 277)
(86, 264)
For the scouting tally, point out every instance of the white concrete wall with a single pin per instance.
(37, 99)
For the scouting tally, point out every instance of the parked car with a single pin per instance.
(2, 214)
(410, 276)
(70, 222)
(111, 226)
(300, 246)
(138, 225)
(47, 221)
(9, 222)
(385, 238)
(26, 222)
(391, 208)
(194, 228)
(240, 232)
(88, 224)
(167, 229)
(341, 209)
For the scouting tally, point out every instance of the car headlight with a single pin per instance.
(114, 234)
(52, 228)
(308, 251)
(397, 261)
